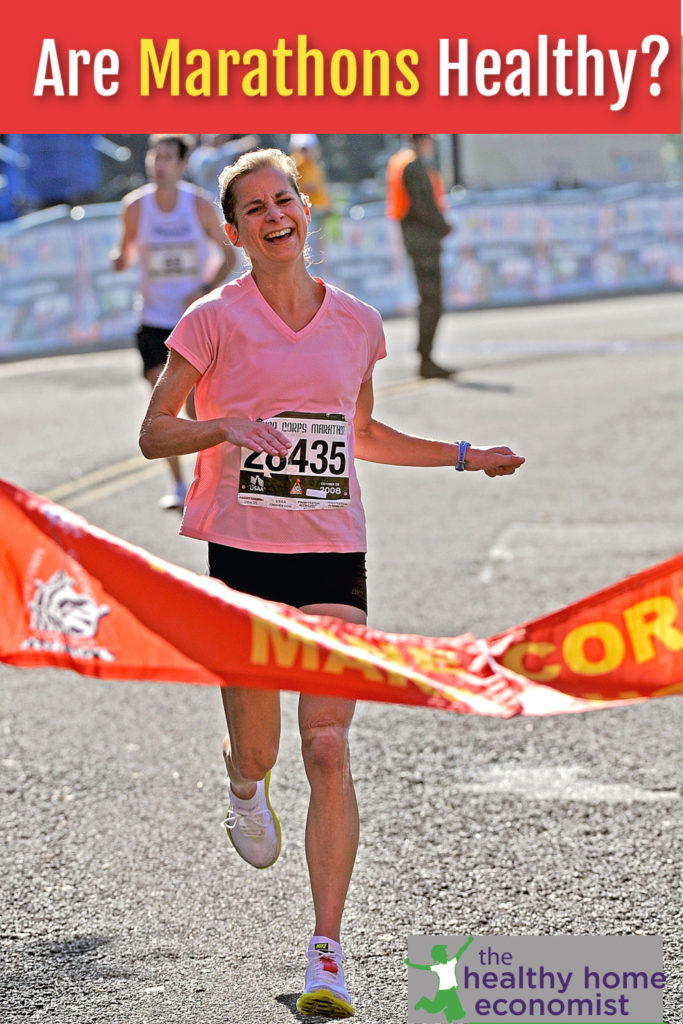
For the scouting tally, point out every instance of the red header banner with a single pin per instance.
(74, 597)
(350, 67)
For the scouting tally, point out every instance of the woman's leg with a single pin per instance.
(251, 744)
(332, 823)
(250, 750)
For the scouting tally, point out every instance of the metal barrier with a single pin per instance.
(58, 292)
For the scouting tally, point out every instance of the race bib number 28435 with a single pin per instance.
(313, 475)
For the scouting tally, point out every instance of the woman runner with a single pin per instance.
(282, 363)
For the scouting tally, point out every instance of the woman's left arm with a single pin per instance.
(378, 442)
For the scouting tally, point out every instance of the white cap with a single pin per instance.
(303, 141)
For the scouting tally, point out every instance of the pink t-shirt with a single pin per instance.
(253, 365)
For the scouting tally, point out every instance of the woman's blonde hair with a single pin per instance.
(255, 160)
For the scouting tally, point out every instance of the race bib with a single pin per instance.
(313, 475)
(171, 260)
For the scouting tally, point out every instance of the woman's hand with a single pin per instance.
(256, 435)
(498, 461)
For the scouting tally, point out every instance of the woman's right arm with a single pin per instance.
(164, 433)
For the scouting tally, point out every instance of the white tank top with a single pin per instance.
(174, 251)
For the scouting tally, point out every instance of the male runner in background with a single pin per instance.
(171, 225)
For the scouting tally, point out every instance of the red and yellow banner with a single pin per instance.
(73, 596)
(621, 643)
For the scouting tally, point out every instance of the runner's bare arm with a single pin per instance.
(213, 229)
(123, 256)
(164, 433)
(378, 442)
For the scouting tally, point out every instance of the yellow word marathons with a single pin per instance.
(271, 644)
(285, 71)
(597, 648)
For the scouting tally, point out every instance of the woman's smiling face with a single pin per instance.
(271, 222)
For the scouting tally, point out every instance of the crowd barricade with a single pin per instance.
(57, 289)
(521, 246)
(508, 247)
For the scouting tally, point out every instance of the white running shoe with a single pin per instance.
(253, 828)
(176, 499)
(325, 993)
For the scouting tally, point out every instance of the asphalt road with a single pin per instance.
(122, 899)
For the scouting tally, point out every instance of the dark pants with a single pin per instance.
(427, 267)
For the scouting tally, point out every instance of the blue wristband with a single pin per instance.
(462, 452)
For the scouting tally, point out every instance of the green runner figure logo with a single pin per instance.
(447, 998)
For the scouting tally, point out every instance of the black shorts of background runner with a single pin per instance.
(326, 577)
(151, 342)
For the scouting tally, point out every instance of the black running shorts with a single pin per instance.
(311, 578)
(151, 343)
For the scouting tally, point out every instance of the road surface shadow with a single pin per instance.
(79, 958)
(289, 999)
(480, 385)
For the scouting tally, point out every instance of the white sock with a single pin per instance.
(247, 805)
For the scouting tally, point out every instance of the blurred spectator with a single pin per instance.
(415, 198)
(212, 154)
(305, 153)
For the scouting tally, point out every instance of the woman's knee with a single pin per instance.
(253, 719)
(325, 748)
(252, 761)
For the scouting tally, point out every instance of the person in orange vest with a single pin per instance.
(415, 198)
